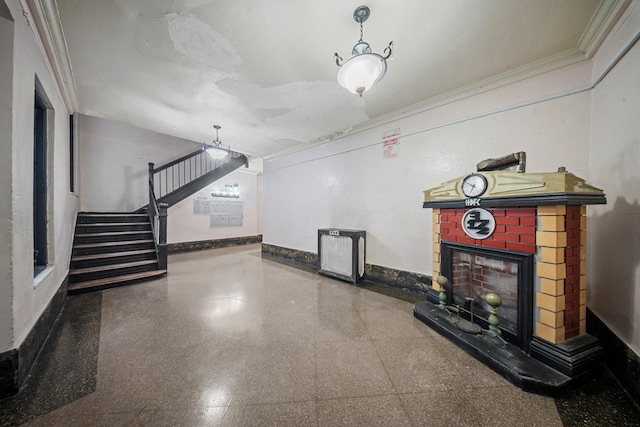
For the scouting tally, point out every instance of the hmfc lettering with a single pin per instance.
(472, 202)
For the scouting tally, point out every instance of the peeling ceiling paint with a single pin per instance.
(263, 69)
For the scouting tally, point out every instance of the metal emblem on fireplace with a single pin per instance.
(478, 223)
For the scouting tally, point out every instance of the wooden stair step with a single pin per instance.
(113, 281)
(107, 244)
(112, 255)
(114, 214)
(113, 233)
(112, 267)
(113, 224)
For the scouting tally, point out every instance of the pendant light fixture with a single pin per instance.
(214, 149)
(360, 72)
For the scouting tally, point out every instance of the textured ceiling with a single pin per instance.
(264, 69)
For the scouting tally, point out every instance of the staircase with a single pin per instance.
(115, 249)
(112, 249)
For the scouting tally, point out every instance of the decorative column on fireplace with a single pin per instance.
(521, 236)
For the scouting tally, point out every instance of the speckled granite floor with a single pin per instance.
(228, 338)
(67, 366)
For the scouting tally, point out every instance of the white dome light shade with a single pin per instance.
(216, 153)
(360, 72)
(365, 68)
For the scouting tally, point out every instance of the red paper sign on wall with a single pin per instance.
(390, 144)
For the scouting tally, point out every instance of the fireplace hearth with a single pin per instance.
(521, 236)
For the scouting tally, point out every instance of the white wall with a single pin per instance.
(185, 226)
(347, 184)
(30, 296)
(614, 229)
(6, 80)
(114, 161)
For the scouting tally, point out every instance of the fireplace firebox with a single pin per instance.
(519, 239)
(476, 271)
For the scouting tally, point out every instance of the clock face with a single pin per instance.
(474, 185)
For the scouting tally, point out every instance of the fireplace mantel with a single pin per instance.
(517, 189)
(540, 214)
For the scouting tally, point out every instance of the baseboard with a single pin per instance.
(413, 282)
(623, 362)
(406, 280)
(200, 245)
(302, 259)
(15, 364)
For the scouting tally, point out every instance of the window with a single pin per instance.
(39, 185)
(72, 154)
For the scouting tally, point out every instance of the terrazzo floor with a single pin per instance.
(231, 339)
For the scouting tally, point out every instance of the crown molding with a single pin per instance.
(533, 69)
(598, 28)
(44, 21)
(607, 13)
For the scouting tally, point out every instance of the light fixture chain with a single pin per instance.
(360, 30)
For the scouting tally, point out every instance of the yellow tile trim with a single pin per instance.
(551, 223)
(551, 271)
(551, 287)
(553, 319)
(553, 335)
(550, 302)
(552, 255)
(552, 210)
(552, 239)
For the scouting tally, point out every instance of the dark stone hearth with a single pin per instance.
(572, 357)
(507, 360)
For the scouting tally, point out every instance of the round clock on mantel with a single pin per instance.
(474, 185)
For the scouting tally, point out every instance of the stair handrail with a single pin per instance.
(181, 171)
(158, 218)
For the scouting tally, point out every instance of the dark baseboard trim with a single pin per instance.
(412, 282)
(200, 245)
(405, 280)
(305, 260)
(623, 362)
(8, 373)
(16, 364)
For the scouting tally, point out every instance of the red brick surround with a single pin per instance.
(515, 229)
(557, 236)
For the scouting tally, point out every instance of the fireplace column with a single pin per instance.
(561, 271)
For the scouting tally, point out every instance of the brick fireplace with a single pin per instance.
(521, 236)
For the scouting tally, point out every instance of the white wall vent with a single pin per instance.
(341, 253)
